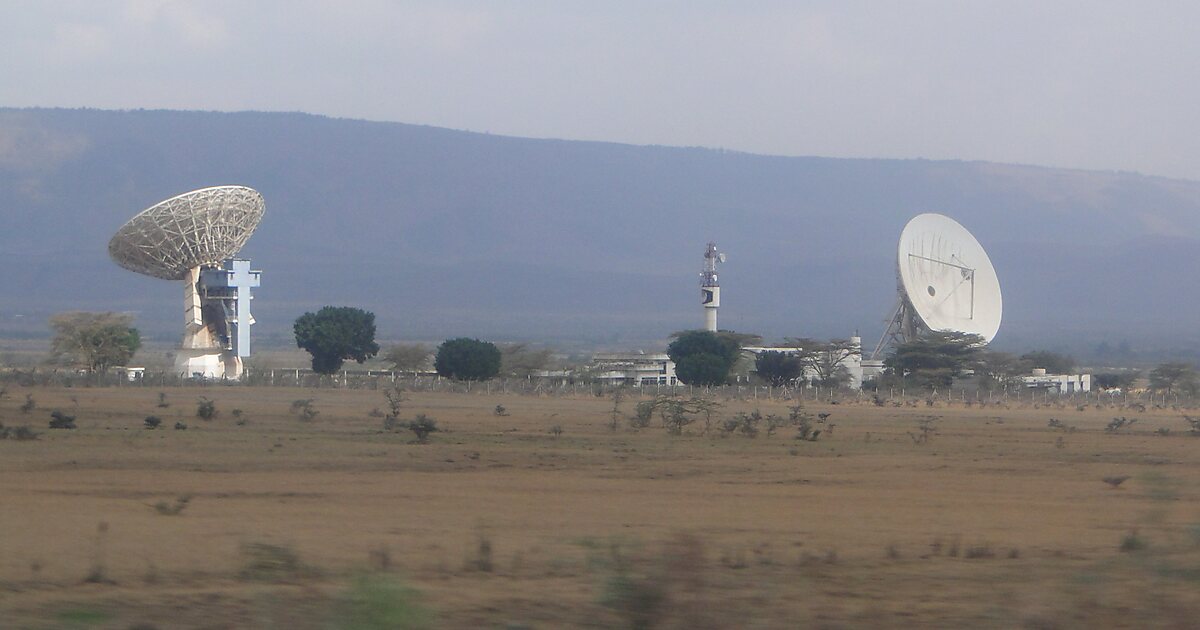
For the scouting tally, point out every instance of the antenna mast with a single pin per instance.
(710, 288)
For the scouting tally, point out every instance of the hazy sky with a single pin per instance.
(1088, 84)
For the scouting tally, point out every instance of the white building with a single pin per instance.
(634, 368)
(1060, 383)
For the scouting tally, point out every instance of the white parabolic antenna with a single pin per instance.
(196, 228)
(948, 278)
(946, 281)
(194, 237)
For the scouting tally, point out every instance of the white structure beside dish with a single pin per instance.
(944, 282)
(194, 237)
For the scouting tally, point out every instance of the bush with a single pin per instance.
(28, 405)
(422, 426)
(173, 509)
(744, 423)
(60, 420)
(206, 409)
(152, 422)
(263, 562)
(642, 414)
(376, 602)
(304, 409)
(20, 434)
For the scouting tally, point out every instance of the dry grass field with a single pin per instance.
(990, 518)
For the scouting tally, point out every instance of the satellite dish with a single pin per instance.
(193, 237)
(202, 227)
(945, 282)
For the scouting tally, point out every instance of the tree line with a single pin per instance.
(336, 334)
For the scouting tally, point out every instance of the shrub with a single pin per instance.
(304, 409)
(422, 426)
(179, 426)
(642, 414)
(173, 509)
(744, 423)
(264, 562)
(1118, 423)
(500, 410)
(20, 434)
(152, 422)
(28, 405)
(377, 602)
(162, 400)
(60, 420)
(206, 409)
(1132, 542)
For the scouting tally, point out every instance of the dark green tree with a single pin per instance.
(95, 340)
(720, 352)
(1053, 362)
(467, 359)
(702, 369)
(935, 358)
(777, 368)
(334, 334)
(690, 342)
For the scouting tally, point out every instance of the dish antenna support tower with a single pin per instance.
(710, 287)
(944, 282)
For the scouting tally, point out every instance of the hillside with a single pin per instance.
(447, 232)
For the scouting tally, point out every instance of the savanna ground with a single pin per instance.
(986, 518)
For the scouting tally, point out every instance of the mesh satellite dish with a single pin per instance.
(194, 237)
(945, 282)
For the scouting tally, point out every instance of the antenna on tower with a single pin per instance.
(710, 287)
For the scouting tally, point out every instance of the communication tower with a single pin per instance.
(710, 288)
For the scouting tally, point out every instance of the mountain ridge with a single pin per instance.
(445, 232)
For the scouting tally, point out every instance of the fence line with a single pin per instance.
(374, 380)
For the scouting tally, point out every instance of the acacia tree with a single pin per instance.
(1052, 362)
(334, 334)
(467, 359)
(1000, 369)
(407, 357)
(519, 360)
(1174, 377)
(935, 358)
(824, 359)
(96, 340)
